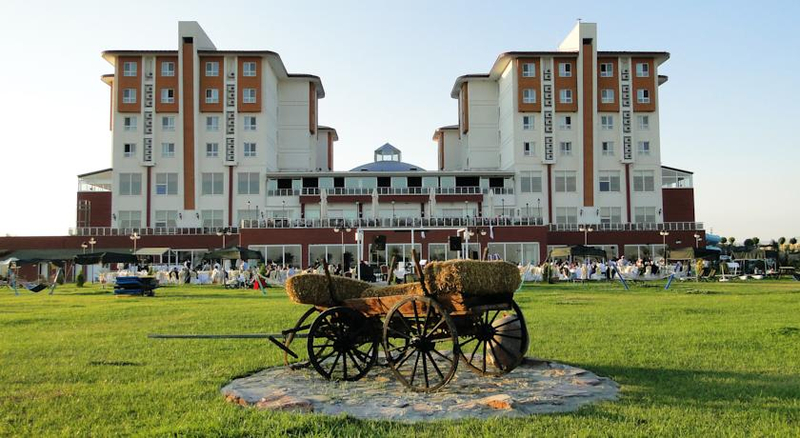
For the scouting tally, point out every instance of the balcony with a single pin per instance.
(167, 231)
(400, 222)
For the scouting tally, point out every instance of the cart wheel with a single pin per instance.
(342, 344)
(497, 342)
(420, 343)
(289, 361)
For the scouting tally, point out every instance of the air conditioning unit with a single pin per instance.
(626, 102)
(625, 76)
(547, 75)
(548, 102)
(148, 122)
(231, 74)
(230, 115)
(150, 75)
(231, 102)
(548, 88)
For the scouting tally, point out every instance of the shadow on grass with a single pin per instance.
(707, 389)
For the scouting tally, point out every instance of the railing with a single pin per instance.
(665, 226)
(399, 222)
(392, 191)
(167, 231)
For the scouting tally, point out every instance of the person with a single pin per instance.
(245, 265)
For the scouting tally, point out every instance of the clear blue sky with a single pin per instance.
(729, 111)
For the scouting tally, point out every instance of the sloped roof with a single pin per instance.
(387, 166)
(387, 149)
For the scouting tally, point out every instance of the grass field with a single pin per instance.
(707, 359)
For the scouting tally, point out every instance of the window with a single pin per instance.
(168, 150)
(606, 123)
(610, 215)
(565, 96)
(129, 123)
(566, 215)
(168, 123)
(606, 70)
(166, 184)
(249, 123)
(530, 182)
(607, 95)
(212, 218)
(212, 183)
(644, 148)
(609, 181)
(644, 122)
(565, 123)
(212, 150)
(129, 95)
(129, 69)
(529, 95)
(642, 70)
(607, 148)
(529, 70)
(130, 219)
(212, 123)
(167, 95)
(643, 96)
(166, 219)
(212, 68)
(249, 149)
(643, 181)
(249, 95)
(528, 148)
(527, 123)
(129, 150)
(644, 215)
(248, 183)
(130, 183)
(168, 68)
(566, 181)
(565, 69)
(565, 147)
(249, 69)
(212, 95)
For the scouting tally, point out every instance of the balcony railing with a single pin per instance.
(665, 226)
(392, 191)
(166, 231)
(399, 222)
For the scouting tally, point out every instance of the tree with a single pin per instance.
(723, 240)
(756, 240)
(781, 241)
(748, 243)
(793, 240)
(731, 240)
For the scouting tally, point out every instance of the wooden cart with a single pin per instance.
(423, 336)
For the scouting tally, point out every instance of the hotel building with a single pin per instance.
(551, 148)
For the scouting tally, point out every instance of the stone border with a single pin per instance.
(535, 387)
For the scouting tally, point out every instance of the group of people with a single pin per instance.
(609, 269)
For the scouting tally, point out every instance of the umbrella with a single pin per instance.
(374, 203)
(94, 258)
(323, 203)
(432, 202)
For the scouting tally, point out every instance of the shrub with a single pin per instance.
(80, 279)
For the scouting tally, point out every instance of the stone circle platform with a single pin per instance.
(535, 387)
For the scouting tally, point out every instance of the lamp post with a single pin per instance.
(586, 229)
(249, 219)
(135, 236)
(92, 242)
(466, 211)
(84, 246)
(697, 239)
(539, 208)
(664, 235)
(223, 232)
(342, 231)
(527, 210)
(503, 211)
(285, 215)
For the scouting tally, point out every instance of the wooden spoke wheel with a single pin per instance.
(420, 343)
(342, 344)
(496, 343)
(299, 326)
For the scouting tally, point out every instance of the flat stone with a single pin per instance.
(535, 387)
(286, 403)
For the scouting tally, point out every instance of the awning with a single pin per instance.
(104, 258)
(234, 253)
(577, 250)
(151, 251)
(681, 254)
(33, 256)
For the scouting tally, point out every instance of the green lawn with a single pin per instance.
(705, 359)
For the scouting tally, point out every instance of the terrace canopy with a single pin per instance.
(235, 253)
(151, 251)
(105, 258)
(34, 256)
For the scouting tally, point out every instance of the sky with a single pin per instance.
(728, 113)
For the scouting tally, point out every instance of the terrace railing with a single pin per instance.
(664, 226)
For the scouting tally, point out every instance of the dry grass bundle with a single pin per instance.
(472, 277)
(313, 289)
(395, 289)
